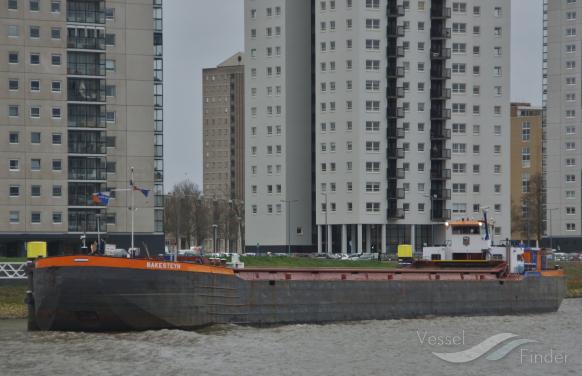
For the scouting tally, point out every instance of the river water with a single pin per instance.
(394, 347)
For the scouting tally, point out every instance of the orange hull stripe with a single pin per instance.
(115, 262)
(553, 273)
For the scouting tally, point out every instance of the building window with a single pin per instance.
(14, 217)
(57, 217)
(35, 164)
(57, 165)
(13, 57)
(110, 116)
(56, 86)
(55, 6)
(35, 190)
(110, 65)
(14, 191)
(525, 131)
(35, 217)
(56, 33)
(57, 139)
(56, 112)
(14, 165)
(13, 138)
(34, 32)
(35, 112)
(13, 110)
(34, 58)
(13, 84)
(13, 31)
(35, 137)
(34, 5)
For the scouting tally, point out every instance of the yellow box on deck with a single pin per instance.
(35, 249)
(404, 251)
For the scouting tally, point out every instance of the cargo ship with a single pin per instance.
(95, 293)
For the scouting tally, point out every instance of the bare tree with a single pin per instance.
(527, 214)
(185, 214)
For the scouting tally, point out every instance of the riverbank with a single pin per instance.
(574, 279)
(310, 262)
(12, 302)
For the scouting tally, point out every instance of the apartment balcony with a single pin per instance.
(440, 93)
(395, 92)
(395, 213)
(440, 12)
(395, 153)
(440, 174)
(392, 132)
(79, 194)
(86, 142)
(440, 33)
(86, 116)
(396, 194)
(440, 113)
(394, 71)
(395, 112)
(85, 69)
(87, 174)
(85, 90)
(440, 194)
(392, 52)
(440, 215)
(83, 11)
(394, 10)
(87, 168)
(440, 74)
(394, 174)
(85, 220)
(440, 134)
(440, 53)
(395, 31)
(442, 154)
(86, 43)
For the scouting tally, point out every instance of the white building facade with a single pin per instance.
(278, 159)
(411, 124)
(562, 132)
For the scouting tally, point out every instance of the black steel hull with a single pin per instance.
(121, 299)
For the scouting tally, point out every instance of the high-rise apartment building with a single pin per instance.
(80, 106)
(278, 132)
(563, 116)
(411, 118)
(526, 172)
(562, 123)
(223, 129)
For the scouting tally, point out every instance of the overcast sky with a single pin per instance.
(202, 33)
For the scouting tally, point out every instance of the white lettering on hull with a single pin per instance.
(163, 265)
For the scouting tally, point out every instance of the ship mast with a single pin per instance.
(132, 212)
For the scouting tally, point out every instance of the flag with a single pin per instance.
(100, 198)
(144, 191)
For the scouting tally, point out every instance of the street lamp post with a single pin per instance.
(214, 228)
(432, 198)
(289, 202)
(550, 230)
(98, 216)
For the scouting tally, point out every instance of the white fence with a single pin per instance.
(12, 270)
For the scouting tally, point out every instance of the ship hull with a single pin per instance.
(121, 299)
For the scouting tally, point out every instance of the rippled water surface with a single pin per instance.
(366, 348)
